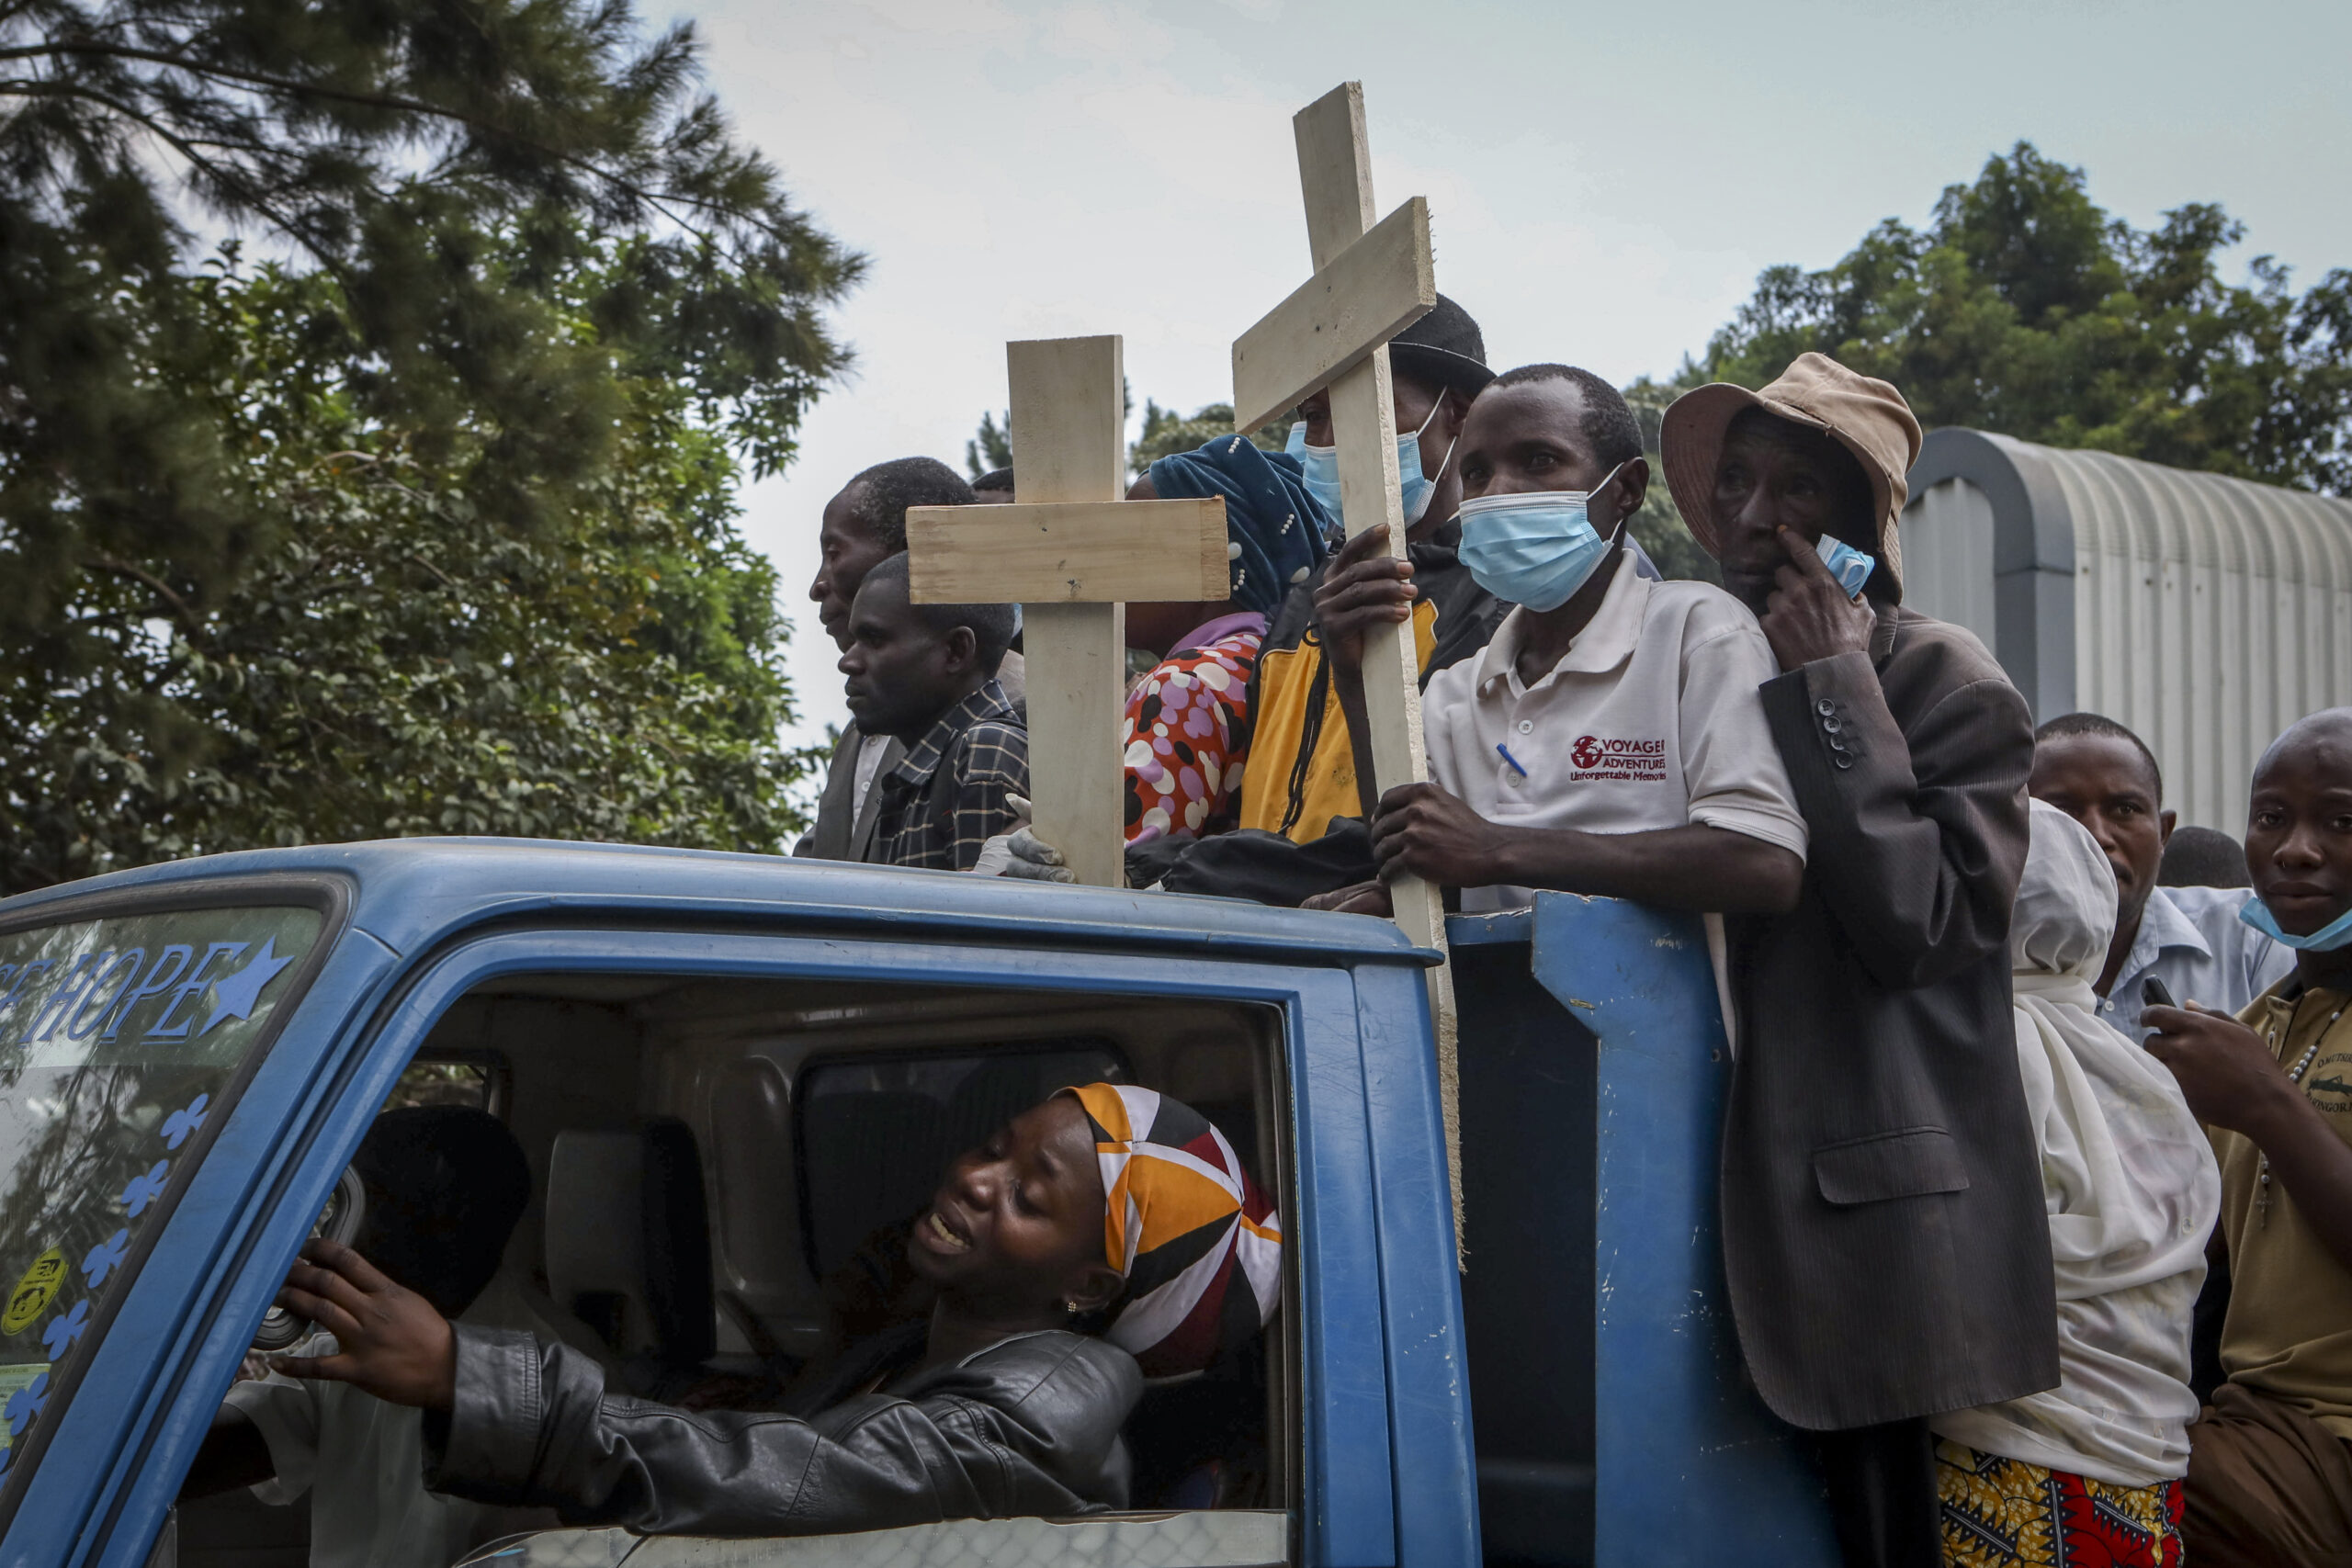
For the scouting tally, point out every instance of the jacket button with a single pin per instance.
(1843, 759)
(1825, 708)
(1832, 726)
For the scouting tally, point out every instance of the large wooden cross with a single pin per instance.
(1070, 551)
(1371, 282)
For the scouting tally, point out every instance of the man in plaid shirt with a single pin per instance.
(920, 672)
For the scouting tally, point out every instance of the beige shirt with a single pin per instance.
(2288, 1333)
(1652, 719)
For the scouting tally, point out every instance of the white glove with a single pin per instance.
(1020, 854)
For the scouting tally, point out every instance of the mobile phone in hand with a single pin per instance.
(2152, 994)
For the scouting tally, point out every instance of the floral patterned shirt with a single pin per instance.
(1185, 735)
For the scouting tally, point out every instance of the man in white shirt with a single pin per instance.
(2103, 776)
(1611, 739)
(444, 1186)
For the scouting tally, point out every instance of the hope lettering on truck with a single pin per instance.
(109, 991)
(1627, 758)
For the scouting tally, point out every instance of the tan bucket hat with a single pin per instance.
(1866, 416)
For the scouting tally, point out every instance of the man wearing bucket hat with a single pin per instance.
(1883, 1233)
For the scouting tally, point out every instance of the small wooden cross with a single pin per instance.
(1371, 282)
(1070, 551)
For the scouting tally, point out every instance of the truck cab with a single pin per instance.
(727, 1072)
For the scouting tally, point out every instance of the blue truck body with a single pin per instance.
(1611, 1425)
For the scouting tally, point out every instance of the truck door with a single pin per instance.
(722, 1128)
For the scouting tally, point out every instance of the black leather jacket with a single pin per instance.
(1029, 1426)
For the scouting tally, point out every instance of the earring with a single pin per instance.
(1071, 1307)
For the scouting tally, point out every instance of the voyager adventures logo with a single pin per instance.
(1638, 762)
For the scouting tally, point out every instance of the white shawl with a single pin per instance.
(2130, 1183)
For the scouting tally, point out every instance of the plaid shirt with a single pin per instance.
(948, 797)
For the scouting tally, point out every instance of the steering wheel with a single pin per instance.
(338, 1221)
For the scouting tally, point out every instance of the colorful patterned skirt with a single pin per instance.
(2004, 1513)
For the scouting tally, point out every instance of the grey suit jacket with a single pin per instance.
(838, 835)
(1884, 1231)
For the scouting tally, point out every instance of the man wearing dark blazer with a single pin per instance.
(864, 525)
(1884, 1231)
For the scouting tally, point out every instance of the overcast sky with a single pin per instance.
(1604, 181)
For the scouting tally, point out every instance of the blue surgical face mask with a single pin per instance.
(1535, 548)
(1321, 465)
(2336, 933)
(1847, 564)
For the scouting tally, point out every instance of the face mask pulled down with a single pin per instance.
(2336, 933)
(1320, 468)
(1534, 548)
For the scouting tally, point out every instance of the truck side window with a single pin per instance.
(710, 1156)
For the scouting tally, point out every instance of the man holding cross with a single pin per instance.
(1610, 738)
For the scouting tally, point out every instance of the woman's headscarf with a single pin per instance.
(1273, 528)
(2128, 1179)
(1198, 1244)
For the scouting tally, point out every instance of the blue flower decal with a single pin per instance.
(65, 1328)
(25, 1403)
(103, 1257)
(186, 1120)
(145, 1189)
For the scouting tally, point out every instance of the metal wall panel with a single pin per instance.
(1948, 556)
(2208, 612)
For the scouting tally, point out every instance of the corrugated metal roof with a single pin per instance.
(2206, 613)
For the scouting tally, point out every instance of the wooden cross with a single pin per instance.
(1371, 282)
(1071, 551)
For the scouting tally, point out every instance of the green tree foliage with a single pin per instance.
(990, 447)
(448, 162)
(1165, 432)
(2024, 308)
(401, 658)
(428, 530)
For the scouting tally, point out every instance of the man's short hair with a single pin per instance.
(446, 1185)
(880, 497)
(995, 478)
(990, 624)
(2067, 723)
(1609, 422)
(2202, 857)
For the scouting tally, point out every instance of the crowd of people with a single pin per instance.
(2036, 1164)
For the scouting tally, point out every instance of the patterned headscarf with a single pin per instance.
(1273, 528)
(1200, 1247)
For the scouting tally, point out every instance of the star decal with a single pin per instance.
(236, 996)
(24, 1404)
(145, 1189)
(185, 1119)
(64, 1329)
(105, 1257)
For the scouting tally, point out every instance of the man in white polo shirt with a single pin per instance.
(1611, 739)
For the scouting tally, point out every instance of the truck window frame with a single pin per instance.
(403, 1020)
(332, 898)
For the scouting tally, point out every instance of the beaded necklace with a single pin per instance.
(2294, 1076)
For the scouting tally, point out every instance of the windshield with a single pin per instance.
(116, 1038)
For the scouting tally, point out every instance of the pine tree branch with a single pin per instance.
(294, 87)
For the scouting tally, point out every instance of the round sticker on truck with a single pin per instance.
(33, 1291)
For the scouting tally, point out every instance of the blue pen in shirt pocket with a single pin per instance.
(1511, 759)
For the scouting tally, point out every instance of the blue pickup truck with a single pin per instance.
(726, 1070)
